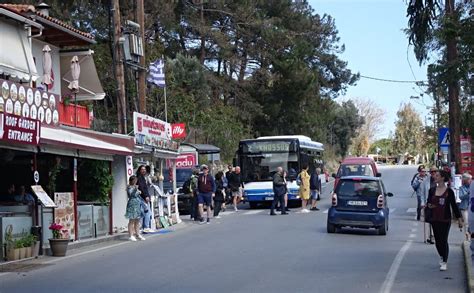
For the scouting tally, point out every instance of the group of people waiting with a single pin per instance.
(437, 201)
(206, 190)
(139, 203)
(17, 195)
(309, 191)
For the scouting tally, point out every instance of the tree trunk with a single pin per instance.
(203, 37)
(141, 72)
(453, 93)
(119, 71)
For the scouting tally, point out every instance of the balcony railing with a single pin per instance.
(68, 112)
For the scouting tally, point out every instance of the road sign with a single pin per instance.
(36, 177)
(444, 137)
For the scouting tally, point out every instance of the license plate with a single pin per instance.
(357, 203)
(269, 198)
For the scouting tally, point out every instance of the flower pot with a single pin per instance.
(28, 251)
(22, 252)
(58, 246)
(13, 254)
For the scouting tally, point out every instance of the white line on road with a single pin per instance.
(413, 230)
(393, 210)
(412, 235)
(392, 273)
(254, 212)
(326, 211)
(411, 210)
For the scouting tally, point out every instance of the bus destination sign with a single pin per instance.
(267, 146)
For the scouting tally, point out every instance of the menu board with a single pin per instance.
(42, 196)
(27, 102)
(64, 213)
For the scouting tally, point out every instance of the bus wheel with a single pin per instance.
(253, 205)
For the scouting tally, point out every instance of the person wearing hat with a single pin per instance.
(416, 182)
(206, 191)
(465, 197)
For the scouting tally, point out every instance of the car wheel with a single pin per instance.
(331, 228)
(253, 205)
(383, 229)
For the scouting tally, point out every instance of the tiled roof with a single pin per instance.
(25, 8)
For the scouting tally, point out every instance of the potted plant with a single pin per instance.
(11, 252)
(19, 244)
(57, 244)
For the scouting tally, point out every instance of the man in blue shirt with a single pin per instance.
(465, 197)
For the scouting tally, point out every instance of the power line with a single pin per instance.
(393, 80)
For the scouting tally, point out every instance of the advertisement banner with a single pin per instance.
(186, 161)
(467, 164)
(178, 130)
(19, 129)
(152, 132)
(64, 213)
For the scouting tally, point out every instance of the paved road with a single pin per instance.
(249, 251)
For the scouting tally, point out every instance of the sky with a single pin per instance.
(376, 46)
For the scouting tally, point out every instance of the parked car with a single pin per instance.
(359, 202)
(356, 166)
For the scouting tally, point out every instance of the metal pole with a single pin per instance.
(75, 109)
(166, 107)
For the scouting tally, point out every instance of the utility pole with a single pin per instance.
(453, 90)
(119, 71)
(141, 71)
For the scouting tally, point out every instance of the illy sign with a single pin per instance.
(178, 130)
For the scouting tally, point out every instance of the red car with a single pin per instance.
(356, 166)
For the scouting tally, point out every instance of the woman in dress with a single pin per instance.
(134, 212)
(441, 201)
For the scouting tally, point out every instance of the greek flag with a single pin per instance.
(156, 74)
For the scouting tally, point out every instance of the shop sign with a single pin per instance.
(129, 162)
(20, 100)
(152, 132)
(42, 196)
(19, 129)
(64, 213)
(178, 130)
(186, 161)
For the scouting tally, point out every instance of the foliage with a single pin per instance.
(409, 135)
(53, 174)
(95, 179)
(345, 123)
(385, 146)
(56, 230)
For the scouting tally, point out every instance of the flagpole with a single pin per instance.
(166, 107)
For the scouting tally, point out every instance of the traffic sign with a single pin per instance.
(444, 137)
(36, 177)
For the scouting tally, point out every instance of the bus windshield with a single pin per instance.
(262, 167)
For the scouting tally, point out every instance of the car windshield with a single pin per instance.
(352, 188)
(355, 170)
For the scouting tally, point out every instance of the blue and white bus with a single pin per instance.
(259, 159)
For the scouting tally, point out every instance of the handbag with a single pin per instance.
(428, 212)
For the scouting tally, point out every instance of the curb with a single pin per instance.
(468, 265)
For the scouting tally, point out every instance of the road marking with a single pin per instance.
(414, 230)
(392, 210)
(254, 212)
(227, 213)
(392, 273)
(411, 210)
(412, 235)
(326, 211)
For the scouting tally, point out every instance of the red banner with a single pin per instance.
(178, 130)
(467, 165)
(19, 129)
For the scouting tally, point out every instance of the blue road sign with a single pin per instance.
(444, 137)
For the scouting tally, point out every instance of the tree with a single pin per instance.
(346, 122)
(447, 31)
(374, 117)
(409, 135)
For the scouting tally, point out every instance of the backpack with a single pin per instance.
(186, 189)
(298, 180)
(415, 188)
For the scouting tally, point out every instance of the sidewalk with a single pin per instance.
(468, 249)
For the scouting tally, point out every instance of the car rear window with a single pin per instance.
(355, 170)
(358, 188)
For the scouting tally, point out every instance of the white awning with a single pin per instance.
(86, 141)
(89, 83)
(16, 58)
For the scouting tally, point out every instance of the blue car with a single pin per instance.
(359, 202)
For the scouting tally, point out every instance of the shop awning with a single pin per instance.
(204, 148)
(16, 58)
(89, 83)
(84, 142)
(148, 151)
